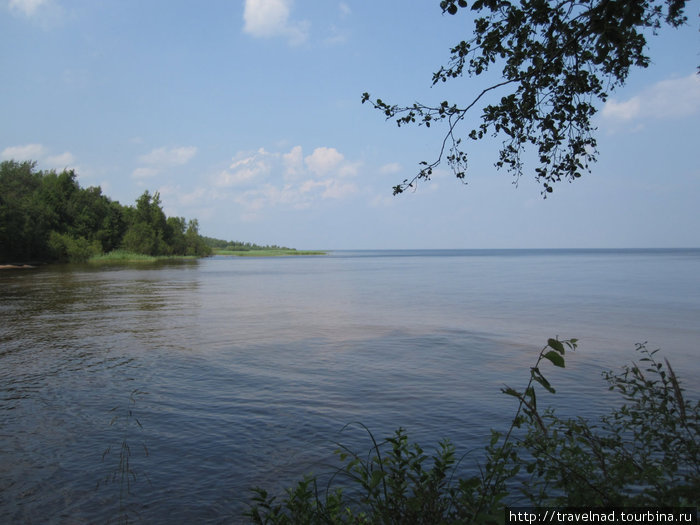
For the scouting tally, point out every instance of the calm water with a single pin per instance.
(235, 372)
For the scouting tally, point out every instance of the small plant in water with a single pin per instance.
(644, 453)
(124, 474)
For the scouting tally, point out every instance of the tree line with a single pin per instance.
(240, 246)
(46, 216)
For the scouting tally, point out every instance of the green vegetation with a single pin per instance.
(557, 61)
(221, 247)
(47, 216)
(118, 256)
(644, 453)
(238, 246)
(267, 252)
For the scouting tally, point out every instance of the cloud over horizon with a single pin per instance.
(263, 179)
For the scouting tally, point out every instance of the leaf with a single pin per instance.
(377, 476)
(556, 359)
(511, 392)
(537, 376)
(554, 343)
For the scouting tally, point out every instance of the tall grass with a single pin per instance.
(124, 256)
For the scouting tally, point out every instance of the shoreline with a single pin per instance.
(16, 266)
(268, 252)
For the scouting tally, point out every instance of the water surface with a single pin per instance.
(225, 373)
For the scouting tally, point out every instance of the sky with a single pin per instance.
(247, 116)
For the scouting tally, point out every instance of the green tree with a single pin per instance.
(147, 231)
(557, 59)
(23, 216)
(175, 235)
(47, 216)
(195, 243)
(57, 192)
(113, 226)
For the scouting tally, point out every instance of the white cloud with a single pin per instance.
(26, 7)
(246, 168)
(196, 196)
(264, 180)
(622, 110)
(25, 152)
(336, 189)
(293, 161)
(164, 157)
(39, 154)
(64, 160)
(672, 98)
(187, 198)
(270, 18)
(188, 202)
(390, 169)
(45, 13)
(324, 160)
(144, 173)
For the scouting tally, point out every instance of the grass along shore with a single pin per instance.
(124, 256)
(268, 252)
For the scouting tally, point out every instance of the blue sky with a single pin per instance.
(247, 116)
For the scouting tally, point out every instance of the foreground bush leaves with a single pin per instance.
(643, 453)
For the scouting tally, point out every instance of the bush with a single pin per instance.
(644, 453)
(65, 247)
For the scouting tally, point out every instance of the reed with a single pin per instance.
(124, 256)
(121, 256)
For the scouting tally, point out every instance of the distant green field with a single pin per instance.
(268, 252)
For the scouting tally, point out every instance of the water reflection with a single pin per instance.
(75, 342)
(60, 319)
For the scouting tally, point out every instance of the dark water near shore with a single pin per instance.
(235, 372)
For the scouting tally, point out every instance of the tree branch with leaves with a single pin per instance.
(557, 61)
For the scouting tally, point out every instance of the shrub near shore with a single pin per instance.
(644, 453)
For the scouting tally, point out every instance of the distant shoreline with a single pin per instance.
(123, 257)
(271, 252)
(16, 266)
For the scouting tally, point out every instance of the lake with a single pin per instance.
(225, 373)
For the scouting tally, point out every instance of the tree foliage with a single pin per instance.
(557, 60)
(47, 216)
(239, 246)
